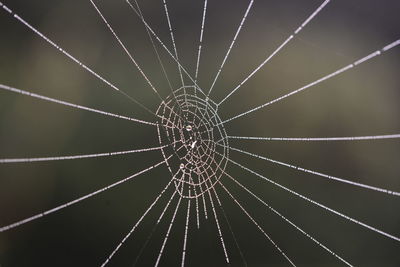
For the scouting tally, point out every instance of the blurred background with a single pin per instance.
(361, 101)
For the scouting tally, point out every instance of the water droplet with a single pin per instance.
(188, 128)
(182, 166)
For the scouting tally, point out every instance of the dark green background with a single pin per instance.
(362, 101)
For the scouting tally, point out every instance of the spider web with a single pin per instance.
(216, 187)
